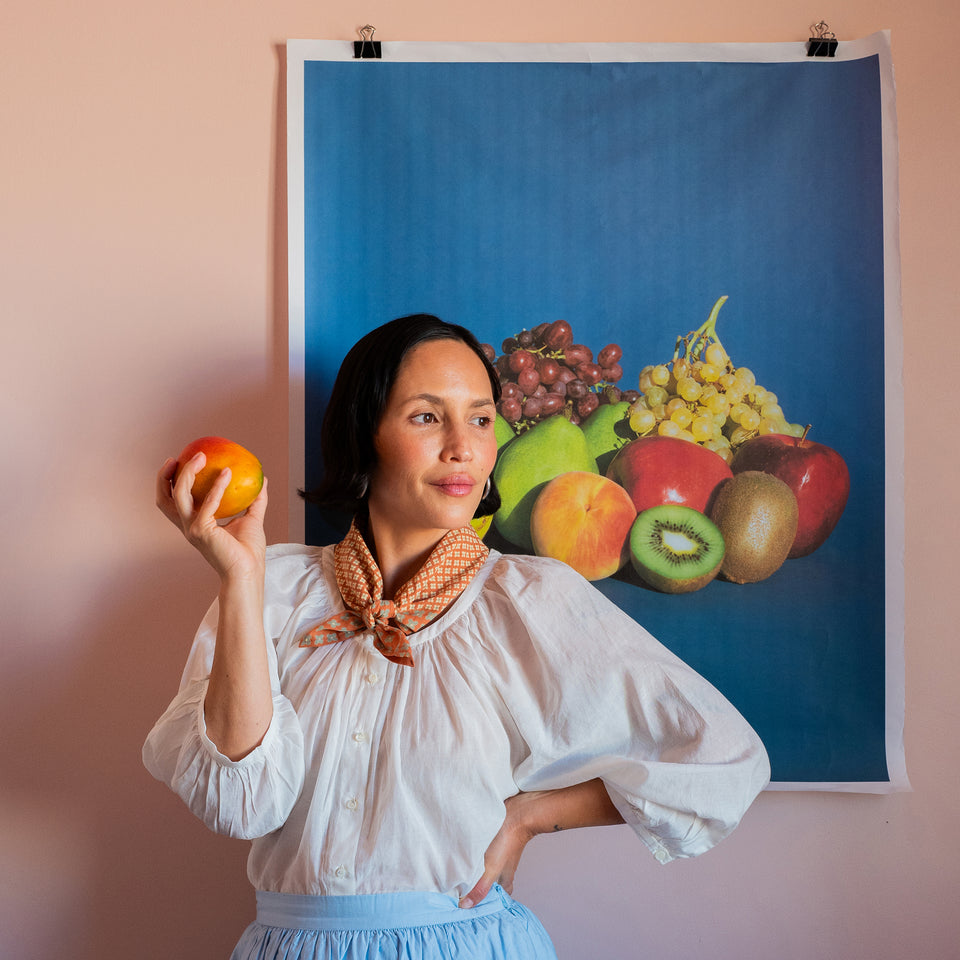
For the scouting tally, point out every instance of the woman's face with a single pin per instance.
(435, 443)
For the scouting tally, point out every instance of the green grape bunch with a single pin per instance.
(703, 397)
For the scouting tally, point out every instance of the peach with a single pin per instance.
(583, 519)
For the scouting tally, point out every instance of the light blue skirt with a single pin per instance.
(392, 926)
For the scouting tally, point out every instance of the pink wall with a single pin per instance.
(143, 304)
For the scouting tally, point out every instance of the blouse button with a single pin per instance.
(372, 677)
(352, 803)
(341, 871)
(360, 736)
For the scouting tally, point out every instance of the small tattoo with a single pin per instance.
(557, 826)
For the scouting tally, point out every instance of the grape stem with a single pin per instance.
(706, 333)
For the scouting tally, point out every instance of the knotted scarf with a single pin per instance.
(454, 562)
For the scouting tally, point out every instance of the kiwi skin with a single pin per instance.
(757, 515)
(678, 517)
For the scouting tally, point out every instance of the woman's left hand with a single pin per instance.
(540, 811)
(502, 858)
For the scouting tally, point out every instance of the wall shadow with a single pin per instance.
(149, 881)
(101, 861)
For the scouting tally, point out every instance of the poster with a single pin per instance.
(627, 189)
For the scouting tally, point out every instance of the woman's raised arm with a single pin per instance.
(238, 705)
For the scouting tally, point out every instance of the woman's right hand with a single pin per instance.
(236, 549)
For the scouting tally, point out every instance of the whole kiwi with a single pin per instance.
(757, 514)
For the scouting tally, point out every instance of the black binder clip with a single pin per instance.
(366, 48)
(824, 42)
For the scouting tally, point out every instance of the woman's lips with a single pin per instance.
(455, 486)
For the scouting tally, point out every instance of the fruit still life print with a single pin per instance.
(692, 475)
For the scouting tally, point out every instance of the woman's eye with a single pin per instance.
(425, 418)
(483, 420)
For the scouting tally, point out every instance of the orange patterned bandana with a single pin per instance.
(455, 561)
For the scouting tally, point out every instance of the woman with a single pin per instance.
(392, 719)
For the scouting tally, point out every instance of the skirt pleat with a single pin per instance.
(392, 926)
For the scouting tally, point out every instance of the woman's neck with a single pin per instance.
(399, 553)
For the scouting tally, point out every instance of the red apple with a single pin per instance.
(658, 470)
(816, 474)
(583, 519)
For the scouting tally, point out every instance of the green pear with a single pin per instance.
(552, 447)
(607, 429)
(502, 431)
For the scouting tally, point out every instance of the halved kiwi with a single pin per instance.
(675, 549)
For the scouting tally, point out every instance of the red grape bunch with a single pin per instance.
(543, 373)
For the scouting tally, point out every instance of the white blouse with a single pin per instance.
(375, 777)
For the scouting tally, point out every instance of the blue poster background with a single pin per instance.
(626, 198)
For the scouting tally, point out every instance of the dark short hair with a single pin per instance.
(359, 398)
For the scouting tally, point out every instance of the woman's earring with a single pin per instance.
(486, 489)
(364, 484)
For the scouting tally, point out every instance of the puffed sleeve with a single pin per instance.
(244, 798)
(593, 694)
